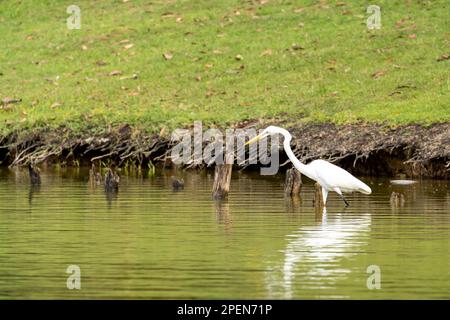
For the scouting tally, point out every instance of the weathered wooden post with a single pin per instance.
(293, 182)
(222, 180)
(318, 197)
(111, 181)
(35, 176)
(222, 177)
(95, 179)
(177, 184)
(397, 199)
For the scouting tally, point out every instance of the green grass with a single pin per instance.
(331, 79)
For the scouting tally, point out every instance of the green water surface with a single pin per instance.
(149, 242)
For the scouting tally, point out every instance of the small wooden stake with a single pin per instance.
(318, 197)
(293, 182)
(111, 181)
(35, 176)
(293, 203)
(222, 179)
(95, 179)
(177, 184)
(397, 199)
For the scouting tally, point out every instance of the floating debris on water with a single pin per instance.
(403, 182)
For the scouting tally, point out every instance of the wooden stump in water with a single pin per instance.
(222, 179)
(293, 182)
(95, 178)
(35, 176)
(397, 199)
(111, 181)
(318, 197)
(293, 203)
(177, 184)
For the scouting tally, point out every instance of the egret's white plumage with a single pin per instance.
(329, 176)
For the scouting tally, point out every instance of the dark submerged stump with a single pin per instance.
(397, 199)
(112, 180)
(293, 203)
(318, 197)
(177, 184)
(35, 176)
(293, 182)
(222, 179)
(95, 178)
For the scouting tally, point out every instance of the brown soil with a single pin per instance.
(375, 150)
(363, 149)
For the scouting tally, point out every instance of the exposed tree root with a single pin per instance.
(364, 149)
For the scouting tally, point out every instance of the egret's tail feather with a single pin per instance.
(365, 189)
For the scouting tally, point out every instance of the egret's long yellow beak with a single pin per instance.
(257, 138)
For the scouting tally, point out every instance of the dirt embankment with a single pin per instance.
(374, 150)
(363, 149)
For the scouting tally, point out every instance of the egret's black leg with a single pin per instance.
(345, 201)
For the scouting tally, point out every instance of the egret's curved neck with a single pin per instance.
(304, 169)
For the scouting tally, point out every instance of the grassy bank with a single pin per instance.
(167, 63)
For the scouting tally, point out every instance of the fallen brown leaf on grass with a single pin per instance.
(7, 100)
(133, 76)
(400, 23)
(198, 78)
(377, 74)
(443, 57)
(299, 10)
(55, 105)
(340, 4)
(297, 47)
(115, 73)
(412, 36)
(128, 46)
(167, 56)
(267, 52)
(168, 15)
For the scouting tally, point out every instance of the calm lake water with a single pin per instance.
(151, 242)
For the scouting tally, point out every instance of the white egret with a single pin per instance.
(329, 176)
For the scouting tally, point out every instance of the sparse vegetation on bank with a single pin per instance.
(115, 89)
(413, 150)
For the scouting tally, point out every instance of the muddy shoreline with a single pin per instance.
(412, 151)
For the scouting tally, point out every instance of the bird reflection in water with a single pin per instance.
(313, 252)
